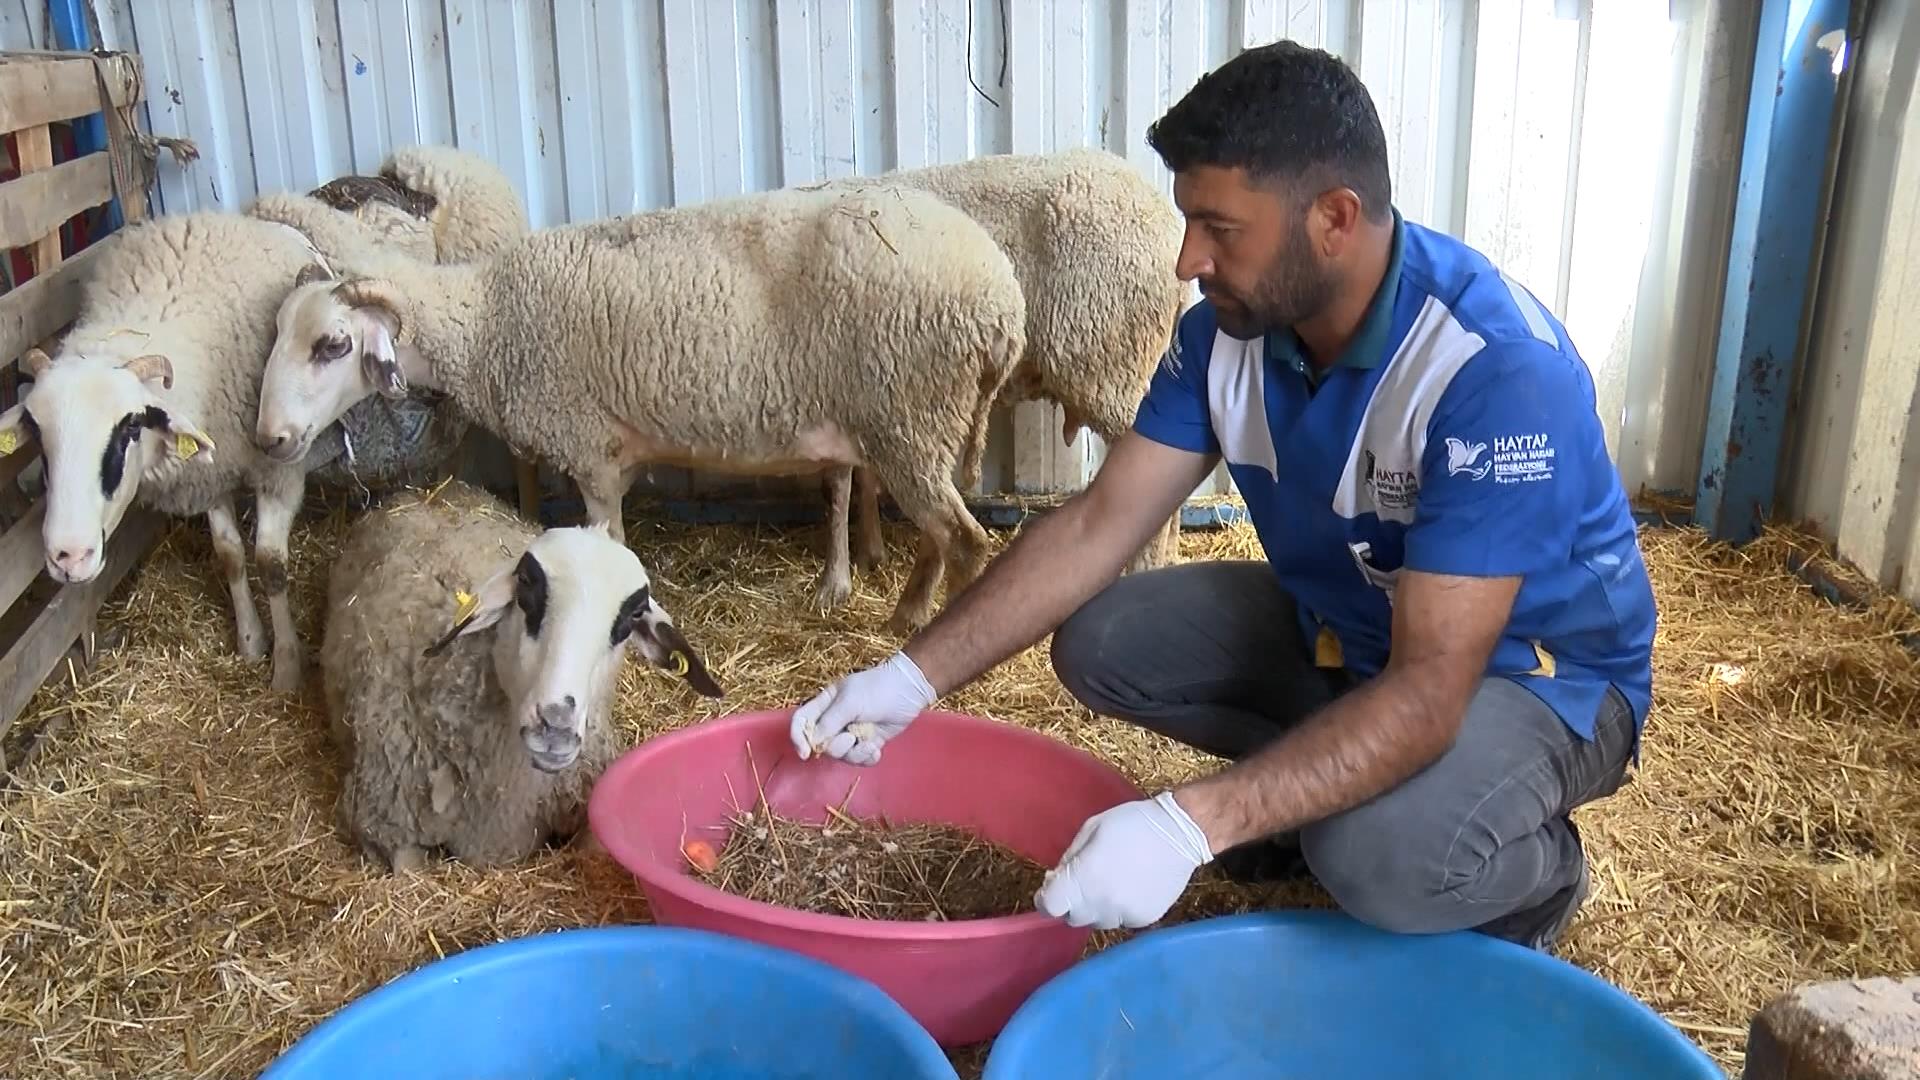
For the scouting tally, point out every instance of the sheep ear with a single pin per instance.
(13, 434)
(660, 642)
(185, 440)
(311, 273)
(35, 362)
(150, 368)
(474, 612)
(377, 359)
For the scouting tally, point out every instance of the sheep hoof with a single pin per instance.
(831, 591)
(287, 671)
(409, 860)
(866, 557)
(907, 621)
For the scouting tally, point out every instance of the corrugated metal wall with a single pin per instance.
(1589, 147)
(1853, 468)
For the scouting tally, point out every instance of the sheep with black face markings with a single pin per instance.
(468, 664)
(153, 396)
(786, 332)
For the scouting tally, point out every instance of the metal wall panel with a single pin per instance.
(1853, 469)
(1589, 148)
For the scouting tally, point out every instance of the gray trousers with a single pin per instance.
(1210, 654)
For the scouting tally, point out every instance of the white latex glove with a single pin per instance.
(1126, 866)
(854, 717)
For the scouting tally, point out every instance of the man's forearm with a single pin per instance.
(1365, 742)
(1048, 571)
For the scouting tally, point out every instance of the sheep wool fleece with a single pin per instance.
(429, 758)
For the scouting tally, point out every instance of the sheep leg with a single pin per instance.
(835, 583)
(231, 551)
(604, 492)
(275, 504)
(1112, 424)
(869, 548)
(928, 497)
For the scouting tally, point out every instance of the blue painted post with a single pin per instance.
(68, 22)
(1791, 116)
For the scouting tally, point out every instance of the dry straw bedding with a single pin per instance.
(174, 900)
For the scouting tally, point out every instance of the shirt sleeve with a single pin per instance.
(1174, 412)
(1505, 466)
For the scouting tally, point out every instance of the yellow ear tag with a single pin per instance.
(680, 660)
(9, 441)
(186, 445)
(468, 602)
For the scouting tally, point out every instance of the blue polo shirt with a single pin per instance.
(1457, 434)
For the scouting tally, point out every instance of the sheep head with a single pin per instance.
(311, 379)
(104, 425)
(564, 614)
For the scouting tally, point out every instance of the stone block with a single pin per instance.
(1855, 1029)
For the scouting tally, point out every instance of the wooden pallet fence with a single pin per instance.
(45, 628)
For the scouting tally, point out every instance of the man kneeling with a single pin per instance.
(1447, 648)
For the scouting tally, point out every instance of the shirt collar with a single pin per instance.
(1369, 342)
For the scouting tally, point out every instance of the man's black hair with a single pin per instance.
(1283, 112)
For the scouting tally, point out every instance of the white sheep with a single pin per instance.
(1094, 246)
(780, 333)
(468, 661)
(433, 203)
(152, 395)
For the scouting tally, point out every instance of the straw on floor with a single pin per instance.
(174, 900)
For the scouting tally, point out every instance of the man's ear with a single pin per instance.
(152, 368)
(474, 612)
(13, 429)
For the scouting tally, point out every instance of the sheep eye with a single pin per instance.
(332, 348)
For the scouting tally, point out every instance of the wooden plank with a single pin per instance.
(37, 310)
(12, 465)
(31, 659)
(34, 206)
(37, 90)
(22, 554)
(34, 149)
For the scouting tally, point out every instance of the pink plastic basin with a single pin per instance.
(960, 980)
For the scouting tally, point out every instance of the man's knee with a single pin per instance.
(1388, 870)
(1083, 656)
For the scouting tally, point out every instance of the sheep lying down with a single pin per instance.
(468, 662)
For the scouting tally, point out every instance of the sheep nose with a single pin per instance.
(271, 442)
(70, 560)
(558, 714)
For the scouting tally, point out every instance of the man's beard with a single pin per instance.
(1295, 290)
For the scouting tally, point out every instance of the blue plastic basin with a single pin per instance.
(631, 1002)
(1303, 994)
